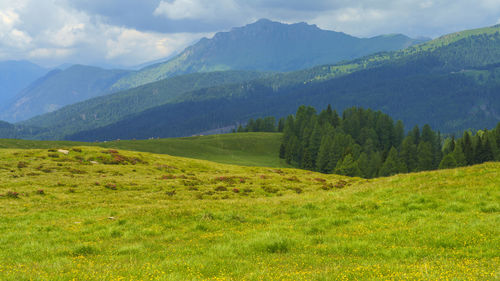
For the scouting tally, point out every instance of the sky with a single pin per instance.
(127, 33)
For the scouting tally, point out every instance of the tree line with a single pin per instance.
(367, 143)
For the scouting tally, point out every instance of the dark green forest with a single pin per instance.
(367, 143)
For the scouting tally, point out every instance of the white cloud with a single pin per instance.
(137, 47)
(58, 31)
(197, 9)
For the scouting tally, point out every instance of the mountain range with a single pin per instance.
(450, 82)
(267, 46)
(15, 76)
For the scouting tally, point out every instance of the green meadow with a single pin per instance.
(249, 149)
(103, 214)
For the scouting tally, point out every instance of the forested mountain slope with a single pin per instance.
(108, 109)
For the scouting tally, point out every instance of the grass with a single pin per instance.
(249, 149)
(119, 215)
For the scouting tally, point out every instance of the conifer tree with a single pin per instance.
(364, 165)
(307, 162)
(348, 167)
(281, 125)
(399, 131)
(415, 134)
(323, 159)
(459, 156)
(467, 148)
(282, 151)
(391, 165)
(425, 156)
(408, 154)
(315, 142)
(448, 162)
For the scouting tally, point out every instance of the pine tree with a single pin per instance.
(399, 131)
(408, 154)
(497, 138)
(307, 162)
(487, 151)
(315, 143)
(348, 167)
(391, 165)
(323, 159)
(281, 125)
(459, 156)
(364, 165)
(448, 162)
(282, 151)
(467, 148)
(425, 156)
(415, 134)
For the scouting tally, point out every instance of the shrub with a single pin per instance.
(111, 186)
(270, 189)
(220, 188)
(341, 184)
(84, 251)
(12, 194)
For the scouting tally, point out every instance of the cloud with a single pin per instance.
(49, 33)
(129, 32)
(198, 9)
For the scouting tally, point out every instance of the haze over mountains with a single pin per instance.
(451, 83)
(15, 76)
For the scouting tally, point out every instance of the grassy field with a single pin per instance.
(249, 149)
(100, 214)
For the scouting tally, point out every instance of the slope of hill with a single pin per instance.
(267, 46)
(107, 215)
(59, 88)
(15, 76)
(249, 149)
(108, 109)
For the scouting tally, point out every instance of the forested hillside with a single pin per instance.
(105, 110)
(369, 144)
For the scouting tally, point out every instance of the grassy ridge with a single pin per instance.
(249, 149)
(117, 215)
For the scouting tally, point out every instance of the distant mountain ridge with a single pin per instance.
(267, 46)
(15, 76)
(60, 88)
